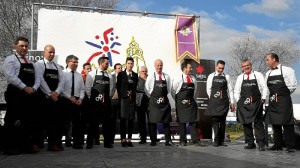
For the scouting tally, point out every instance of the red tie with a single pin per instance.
(159, 77)
(188, 79)
(248, 76)
(24, 58)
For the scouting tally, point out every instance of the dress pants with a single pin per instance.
(218, 124)
(153, 131)
(142, 115)
(259, 132)
(124, 127)
(115, 107)
(193, 130)
(288, 133)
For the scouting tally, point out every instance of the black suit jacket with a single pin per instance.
(122, 83)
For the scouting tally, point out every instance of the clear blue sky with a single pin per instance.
(221, 20)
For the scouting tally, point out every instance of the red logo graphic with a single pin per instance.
(200, 69)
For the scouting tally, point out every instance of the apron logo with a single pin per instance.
(273, 98)
(52, 76)
(100, 97)
(186, 102)
(247, 101)
(161, 100)
(217, 94)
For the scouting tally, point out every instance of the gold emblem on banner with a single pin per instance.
(136, 53)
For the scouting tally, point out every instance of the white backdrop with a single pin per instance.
(68, 32)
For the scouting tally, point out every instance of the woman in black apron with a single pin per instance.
(186, 109)
(249, 110)
(218, 107)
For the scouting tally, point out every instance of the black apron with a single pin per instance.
(100, 97)
(280, 110)
(249, 104)
(219, 102)
(159, 106)
(186, 107)
(18, 98)
(128, 102)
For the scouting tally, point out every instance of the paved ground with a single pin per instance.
(191, 156)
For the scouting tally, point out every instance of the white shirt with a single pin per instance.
(260, 82)
(229, 85)
(90, 81)
(49, 65)
(149, 84)
(288, 74)
(11, 69)
(177, 83)
(79, 88)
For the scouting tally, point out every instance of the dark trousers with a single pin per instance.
(126, 125)
(219, 124)
(142, 116)
(153, 131)
(288, 133)
(259, 132)
(77, 127)
(193, 130)
(115, 107)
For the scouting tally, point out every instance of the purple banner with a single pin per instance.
(186, 38)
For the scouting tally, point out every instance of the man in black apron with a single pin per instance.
(220, 91)
(98, 89)
(183, 90)
(20, 125)
(250, 93)
(52, 83)
(126, 86)
(281, 81)
(157, 87)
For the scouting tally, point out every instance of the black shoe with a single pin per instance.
(153, 143)
(108, 146)
(275, 148)
(250, 146)
(75, 146)
(198, 143)
(143, 142)
(183, 143)
(289, 150)
(124, 144)
(261, 148)
(215, 144)
(169, 143)
(222, 144)
(89, 146)
(129, 144)
(68, 144)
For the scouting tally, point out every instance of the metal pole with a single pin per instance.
(32, 26)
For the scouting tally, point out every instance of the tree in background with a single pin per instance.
(255, 50)
(15, 20)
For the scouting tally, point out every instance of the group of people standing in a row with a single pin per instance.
(50, 98)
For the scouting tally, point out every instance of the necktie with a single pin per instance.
(102, 73)
(24, 58)
(188, 79)
(274, 68)
(248, 76)
(159, 77)
(72, 88)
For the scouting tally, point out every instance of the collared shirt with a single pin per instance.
(260, 81)
(90, 80)
(149, 85)
(49, 65)
(79, 88)
(11, 69)
(177, 83)
(288, 74)
(229, 85)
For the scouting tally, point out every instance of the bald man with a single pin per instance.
(52, 83)
(157, 87)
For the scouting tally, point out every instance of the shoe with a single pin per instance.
(108, 146)
(129, 144)
(169, 143)
(222, 144)
(183, 143)
(89, 146)
(75, 146)
(97, 142)
(55, 148)
(275, 148)
(198, 143)
(124, 144)
(215, 144)
(143, 142)
(289, 150)
(250, 146)
(261, 148)
(34, 149)
(153, 143)
(68, 144)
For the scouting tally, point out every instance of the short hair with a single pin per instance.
(142, 67)
(102, 59)
(246, 60)
(85, 64)
(274, 56)
(70, 57)
(129, 59)
(117, 64)
(184, 64)
(20, 38)
(220, 62)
